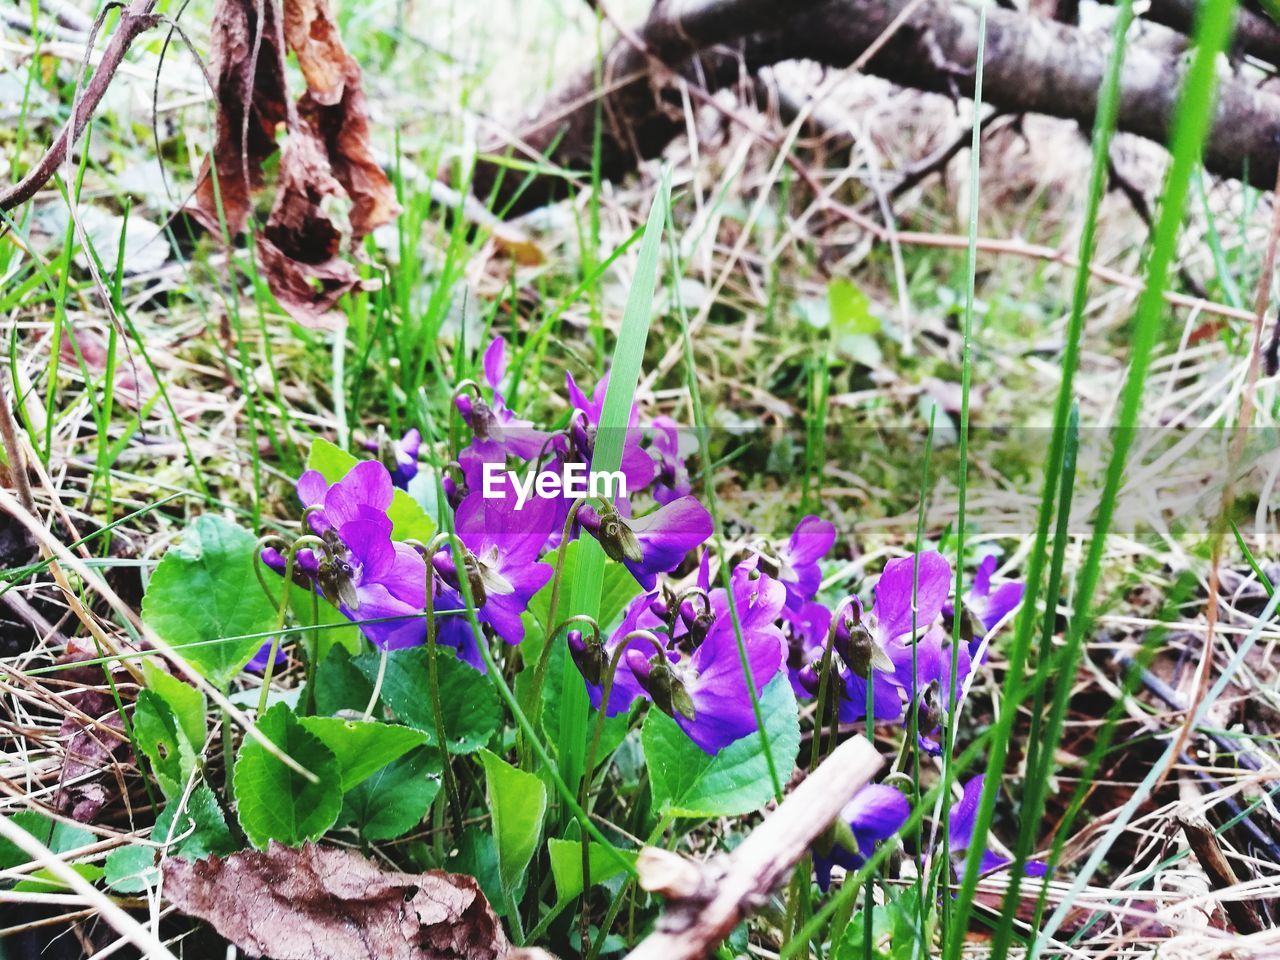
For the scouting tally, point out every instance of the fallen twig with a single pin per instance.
(705, 901)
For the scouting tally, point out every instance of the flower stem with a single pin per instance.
(534, 702)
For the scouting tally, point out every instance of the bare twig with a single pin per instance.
(706, 901)
(1204, 844)
(134, 20)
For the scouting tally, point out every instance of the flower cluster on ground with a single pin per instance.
(704, 634)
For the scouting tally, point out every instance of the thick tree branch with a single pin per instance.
(706, 901)
(1033, 65)
(134, 19)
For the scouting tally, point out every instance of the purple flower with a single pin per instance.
(990, 605)
(805, 631)
(363, 572)
(798, 560)
(400, 456)
(636, 465)
(960, 822)
(259, 662)
(928, 688)
(875, 814)
(672, 479)
(653, 544)
(496, 431)
(707, 694)
(638, 615)
(502, 546)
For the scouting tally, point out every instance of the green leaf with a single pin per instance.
(339, 685)
(54, 834)
(396, 798)
(204, 593)
(200, 831)
(685, 782)
(362, 748)
(618, 587)
(408, 520)
(850, 309)
(566, 865)
(517, 802)
(329, 626)
(854, 946)
(165, 743)
(468, 702)
(186, 702)
(44, 881)
(275, 802)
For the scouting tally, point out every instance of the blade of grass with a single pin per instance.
(1058, 476)
(615, 419)
(1191, 125)
(962, 476)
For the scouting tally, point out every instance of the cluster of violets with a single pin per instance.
(682, 651)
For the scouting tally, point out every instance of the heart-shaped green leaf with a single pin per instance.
(685, 782)
(274, 801)
(468, 702)
(362, 748)
(205, 599)
(394, 800)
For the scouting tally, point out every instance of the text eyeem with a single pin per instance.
(573, 481)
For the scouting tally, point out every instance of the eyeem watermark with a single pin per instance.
(572, 482)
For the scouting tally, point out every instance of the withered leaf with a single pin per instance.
(248, 71)
(334, 104)
(300, 245)
(321, 903)
(95, 741)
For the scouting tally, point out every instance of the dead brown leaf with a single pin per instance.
(301, 243)
(248, 68)
(331, 191)
(334, 103)
(321, 903)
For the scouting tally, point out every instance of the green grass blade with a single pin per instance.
(628, 357)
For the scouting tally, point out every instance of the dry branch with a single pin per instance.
(706, 901)
(134, 19)
(1032, 65)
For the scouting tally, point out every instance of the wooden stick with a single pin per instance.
(705, 901)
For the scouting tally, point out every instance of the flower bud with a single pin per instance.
(661, 680)
(590, 658)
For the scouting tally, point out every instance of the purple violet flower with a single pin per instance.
(960, 822)
(672, 479)
(929, 688)
(875, 814)
(798, 560)
(806, 632)
(706, 694)
(989, 605)
(496, 431)
(653, 544)
(400, 456)
(502, 545)
(638, 615)
(637, 466)
(364, 573)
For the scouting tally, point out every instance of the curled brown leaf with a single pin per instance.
(248, 70)
(321, 903)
